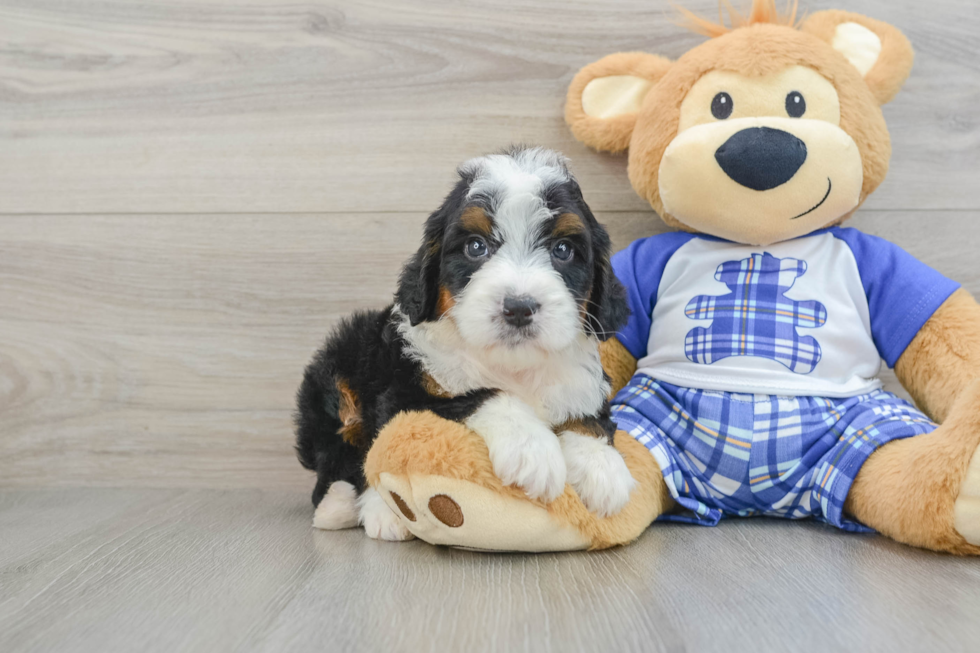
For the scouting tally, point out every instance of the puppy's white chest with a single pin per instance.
(558, 385)
(561, 388)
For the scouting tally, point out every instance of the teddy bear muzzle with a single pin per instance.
(761, 179)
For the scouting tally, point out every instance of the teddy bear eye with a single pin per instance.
(795, 104)
(721, 106)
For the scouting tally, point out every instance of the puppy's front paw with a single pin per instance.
(531, 460)
(597, 472)
(523, 450)
(379, 522)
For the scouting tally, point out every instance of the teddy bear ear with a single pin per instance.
(879, 51)
(605, 97)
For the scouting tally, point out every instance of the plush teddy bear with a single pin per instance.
(746, 380)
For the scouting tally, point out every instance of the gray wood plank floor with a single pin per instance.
(210, 570)
(193, 191)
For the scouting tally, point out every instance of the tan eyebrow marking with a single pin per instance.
(568, 224)
(476, 219)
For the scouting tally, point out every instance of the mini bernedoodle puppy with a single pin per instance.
(496, 324)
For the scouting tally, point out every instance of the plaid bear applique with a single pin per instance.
(756, 318)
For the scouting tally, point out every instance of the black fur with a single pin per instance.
(607, 308)
(601, 424)
(366, 353)
(607, 304)
(418, 285)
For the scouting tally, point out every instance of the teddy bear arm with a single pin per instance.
(618, 363)
(944, 357)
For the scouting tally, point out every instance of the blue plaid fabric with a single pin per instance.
(741, 454)
(756, 318)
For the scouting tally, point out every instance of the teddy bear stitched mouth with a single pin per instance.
(818, 204)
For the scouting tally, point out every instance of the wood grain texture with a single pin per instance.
(285, 106)
(192, 192)
(164, 351)
(211, 571)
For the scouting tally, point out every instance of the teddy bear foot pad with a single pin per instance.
(462, 514)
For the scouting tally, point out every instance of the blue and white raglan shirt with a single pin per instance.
(812, 316)
(757, 386)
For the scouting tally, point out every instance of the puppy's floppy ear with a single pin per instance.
(605, 97)
(879, 51)
(607, 308)
(418, 284)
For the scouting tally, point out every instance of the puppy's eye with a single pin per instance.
(563, 251)
(722, 106)
(795, 104)
(476, 248)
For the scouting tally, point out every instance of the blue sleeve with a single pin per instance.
(639, 267)
(902, 291)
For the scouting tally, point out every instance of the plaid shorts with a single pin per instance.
(741, 454)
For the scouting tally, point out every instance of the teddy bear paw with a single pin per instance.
(598, 473)
(456, 512)
(966, 510)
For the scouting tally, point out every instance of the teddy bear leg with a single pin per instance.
(436, 475)
(925, 490)
(455, 512)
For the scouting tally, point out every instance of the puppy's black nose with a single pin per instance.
(519, 311)
(761, 158)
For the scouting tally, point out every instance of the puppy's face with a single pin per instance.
(515, 258)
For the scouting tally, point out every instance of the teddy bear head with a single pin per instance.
(768, 131)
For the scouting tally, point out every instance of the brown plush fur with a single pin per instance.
(618, 363)
(944, 357)
(609, 135)
(427, 445)
(907, 489)
(762, 11)
(756, 50)
(761, 48)
(649, 500)
(895, 62)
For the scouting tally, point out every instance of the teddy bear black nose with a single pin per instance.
(761, 158)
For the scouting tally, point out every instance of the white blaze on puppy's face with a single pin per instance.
(499, 235)
(521, 266)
